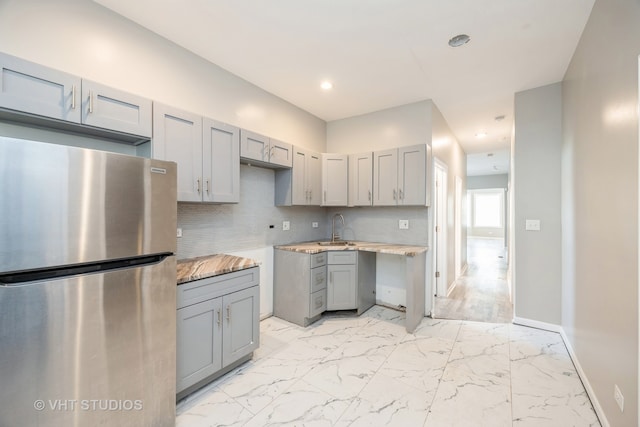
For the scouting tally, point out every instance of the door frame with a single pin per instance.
(458, 227)
(440, 176)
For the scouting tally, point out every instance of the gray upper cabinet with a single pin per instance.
(361, 179)
(400, 176)
(113, 109)
(301, 185)
(177, 136)
(36, 94)
(335, 182)
(264, 151)
(221, 162)
(385, 177)
(412, 175)
(36, 89)
(207, 153)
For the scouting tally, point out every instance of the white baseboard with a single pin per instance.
(585, 381)
(552, 327)
(574, 358)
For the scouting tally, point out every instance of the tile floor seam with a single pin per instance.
(444, 368)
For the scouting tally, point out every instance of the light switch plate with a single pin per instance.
(532, 225)
(403, 224)
(179, 232)
(286, 225)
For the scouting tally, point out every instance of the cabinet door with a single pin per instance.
(113, 109)
(299, 190)
(241, 331)
(341, 287)
(254, 146)
(412, 175)
(385, 177)
(177, 136)
(314, 179)
(360, 179)
(199, 342)
(335, 179)
(35, 89)
(220, 162)
(280, 153)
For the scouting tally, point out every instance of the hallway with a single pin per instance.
(482, 293)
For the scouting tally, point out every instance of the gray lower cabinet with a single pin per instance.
(342, 287)
(306, 285)
(299, 286)
(217, 326)
(351, 280)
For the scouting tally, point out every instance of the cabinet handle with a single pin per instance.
(369, 195)
(271, 152)
(400, 194)
(310, 195)
(228, 313)
(198, 185)
(207, 181)
(325, 195)
(219, 317)
(394, 194)
(73, 97)
(90, 101)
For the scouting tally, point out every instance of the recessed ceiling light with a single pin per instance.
(459, 40)
(326, 85)
(481, 134)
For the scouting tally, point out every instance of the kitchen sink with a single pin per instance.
(336, 243)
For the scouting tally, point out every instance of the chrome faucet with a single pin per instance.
(335, 236)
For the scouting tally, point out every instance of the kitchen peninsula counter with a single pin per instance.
(383, 248)
(190, 269)
(414, 269)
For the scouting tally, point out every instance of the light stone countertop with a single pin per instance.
(191, 269)
(383, 248)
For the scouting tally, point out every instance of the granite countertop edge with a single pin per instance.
(384, 248)
(191, 269)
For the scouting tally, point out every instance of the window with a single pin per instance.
(487, 208)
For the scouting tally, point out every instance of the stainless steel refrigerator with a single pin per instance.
(87, 287)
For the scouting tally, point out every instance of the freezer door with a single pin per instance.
(90, 350)
(63, 205)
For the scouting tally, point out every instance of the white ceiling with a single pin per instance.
(381, 53)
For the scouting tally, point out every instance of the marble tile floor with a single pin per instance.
(368, 371)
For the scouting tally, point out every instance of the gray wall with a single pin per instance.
(538, 267)
(479, 182)
(600, 204)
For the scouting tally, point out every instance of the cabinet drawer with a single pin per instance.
(342, 257)
(318, 260)
(204, 289)
(318, 303)
(318, 278)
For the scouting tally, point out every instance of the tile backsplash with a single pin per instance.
(209, 229)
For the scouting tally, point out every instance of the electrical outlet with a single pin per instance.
(532, 225)
(403, 224)
(314, 224)
(286, 225)
(179, 232)
(617, 395)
